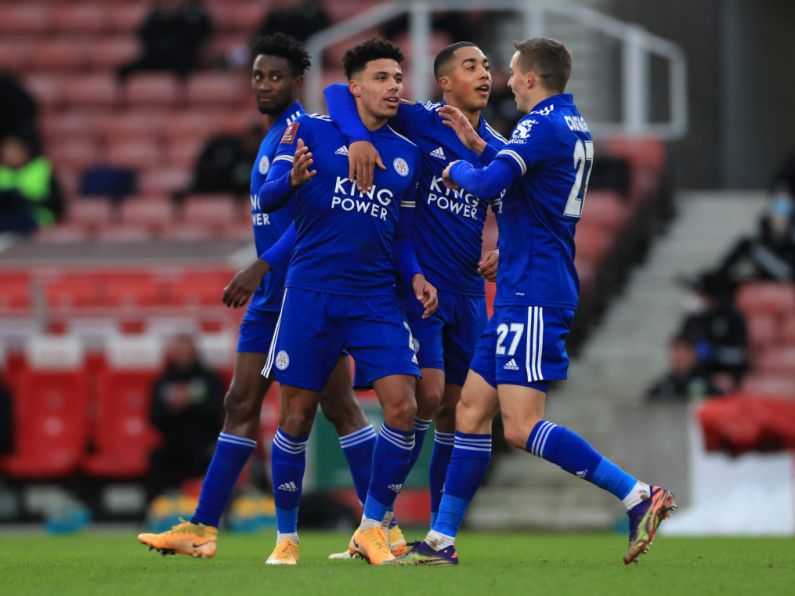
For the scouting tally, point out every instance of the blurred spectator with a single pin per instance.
(187, 404)
(20, 111)
(685, 379)
(30, 196)
(224, 165)
(297, 18)
(770, 255)
(716, 329)
(172, 36)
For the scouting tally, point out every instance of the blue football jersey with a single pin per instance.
(345, 240)
(448, 224)
(546, 163)
(268, 227)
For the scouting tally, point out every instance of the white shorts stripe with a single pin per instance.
(528, 344)
(266, 370)
(540, 343)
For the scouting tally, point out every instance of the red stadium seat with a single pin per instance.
(131, 234)
(209, 210)
(73, 123)
(786, 331)
(50, 405)
(236, 16)
(198, 288)
(91, 91)
(193, 123)
(138, 124)
(182, 153)
(164, 181)
(25, 17)
(135, 153)
(60, 54)
(121, 430)
(606, 209)
(72, 291)
(16, 291)
(111, 52)
(131, 292)
(641, 153)
(592, 243)
(126, 17)
(762, 332)
(152, 89)
(91, 214)
(766, 297)
(217, 89)
(80, 18)
(776, 360)
(153, 213)
(770, 385)
(74, 154)
(47, 88)
(65, 234)
(15, 53)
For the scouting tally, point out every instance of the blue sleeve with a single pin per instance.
(487, 182)
(488, 154)
(529, 145)
(405, 255)
(276, 190)
(278, 255)
(412, 118)
(342, 109)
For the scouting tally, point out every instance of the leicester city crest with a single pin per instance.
(401, 167)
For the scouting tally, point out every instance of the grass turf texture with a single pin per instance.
(491, 565)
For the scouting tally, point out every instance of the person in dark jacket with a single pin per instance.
(685, 379)
(187, 405)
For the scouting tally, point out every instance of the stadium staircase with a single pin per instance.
(604, 398)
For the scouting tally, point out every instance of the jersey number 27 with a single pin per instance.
(583, 160)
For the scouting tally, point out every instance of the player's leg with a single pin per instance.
(357, 437)
(469, 458)
(462, 331)
(304, 351)
(242, 404)
(535, 336)
(380, 341)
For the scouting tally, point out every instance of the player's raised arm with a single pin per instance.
(363, 157)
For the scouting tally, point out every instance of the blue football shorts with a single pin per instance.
(315, 327)
(446, 340)
(524, 345)
(256, 331)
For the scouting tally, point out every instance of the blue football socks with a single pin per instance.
(358, 449)
(440, 460)
(391, 465)
(231, 454)
(288, 461)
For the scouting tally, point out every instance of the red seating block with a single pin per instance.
(779, 360)
(141, 153)
(766, 297)
(210, 210)
(61, 54)
(154, 213)
(217, 88)
(80, 18)
(152, 89)
(91, 90)
(25, 17)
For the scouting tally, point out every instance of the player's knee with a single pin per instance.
(240, 406)
(401, 414)
(429, 400)
(516, 435)
(343, 412)
(444, 421)
(297, 423)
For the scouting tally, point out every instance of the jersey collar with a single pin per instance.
(290, 113)
(560, 99)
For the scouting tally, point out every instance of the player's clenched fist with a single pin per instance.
(448, 182)
(302, 161)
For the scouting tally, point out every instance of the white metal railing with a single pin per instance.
(637, 47)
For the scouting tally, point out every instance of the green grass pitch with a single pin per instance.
(491, 565)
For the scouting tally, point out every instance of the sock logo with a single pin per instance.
(289, 487)
(582, 473)
(511, 365)
(395, 488)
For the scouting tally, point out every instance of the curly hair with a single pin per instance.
(358, 56)
(283, 46)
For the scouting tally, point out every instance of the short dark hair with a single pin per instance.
(358, 56)
(283, 46)
(548, 58)
(443, 57)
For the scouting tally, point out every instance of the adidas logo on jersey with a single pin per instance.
(289, 487)
(438, 152)
(342, 150)
(395, 488)
(511, 365)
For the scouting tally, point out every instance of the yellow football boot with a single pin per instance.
(372, 544)
(397, 541)
(285, 553)
(185, 538)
